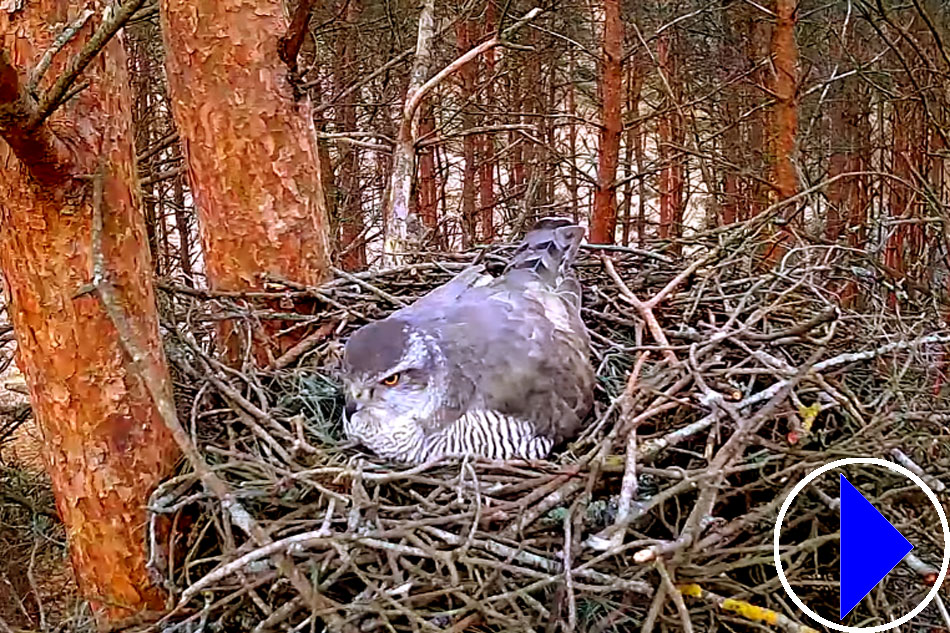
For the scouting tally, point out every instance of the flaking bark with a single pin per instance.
(105, 446)
(251, 153)
(250, 147)
(604, 222)
(785, 121)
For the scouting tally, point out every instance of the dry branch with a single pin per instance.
(60, 89)
(161, 396)
(403, 231)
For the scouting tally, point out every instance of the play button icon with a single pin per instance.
(870, 547)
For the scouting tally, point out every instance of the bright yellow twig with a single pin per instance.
(745, 609)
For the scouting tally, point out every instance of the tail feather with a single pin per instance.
(548, 249)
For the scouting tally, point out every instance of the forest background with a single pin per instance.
(239, 146)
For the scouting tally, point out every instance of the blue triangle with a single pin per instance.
(870, 547)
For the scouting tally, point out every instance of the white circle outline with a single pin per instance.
(876, 461)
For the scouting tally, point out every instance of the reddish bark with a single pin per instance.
(906, 241)
(351, 239)
(847, 203)
(184, 234)
(50, 160)
(250, 148)
(634, 153)
(547, 133)
(753, 35)
(670, 132)
(938, 173)
(730, 189)
(753, 196)
(516, 169)
(290, 43)
(572, 135)
(732, 150)
(847, 198)
(731, 208)
(784, 127)
(604, 220)
(785, 118)
(105, 446)
(532, 104)
(463, 34)
(486, 175)
(838, 190)
(894, 249)
(427, 196)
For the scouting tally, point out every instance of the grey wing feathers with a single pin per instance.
(548, 249)
(527, 352)
(515, 345)
(471, 277)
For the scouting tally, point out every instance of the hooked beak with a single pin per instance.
(354, 397)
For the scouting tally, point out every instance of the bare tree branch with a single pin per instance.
(400, 227)
(68, 33)
(289, 45)
(57, 94)
(46, 157)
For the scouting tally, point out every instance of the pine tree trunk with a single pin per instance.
(784, 128)
(467, 75)
(486, 167)
(105, 446)
(352, 242)
(184, 233)
(633, 89)
(532, 103)
(838, 164)
(755, 35)
(861, 161)
(847, 155)
(904, 242)
(731, 148)
(670, 134)
(572, 184)
(604, 222)
(785, 121)
(427, 196)
(516, 169)
(250, 148)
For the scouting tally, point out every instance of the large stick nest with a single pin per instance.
(660, 514)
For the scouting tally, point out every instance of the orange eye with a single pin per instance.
(392, 380)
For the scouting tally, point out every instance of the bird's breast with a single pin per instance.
(485, 433)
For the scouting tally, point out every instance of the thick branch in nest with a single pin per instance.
(164, 402)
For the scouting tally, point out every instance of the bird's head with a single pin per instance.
(394, 379)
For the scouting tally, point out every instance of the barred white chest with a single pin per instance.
(486, 434)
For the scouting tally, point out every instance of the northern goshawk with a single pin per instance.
(482, 366)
